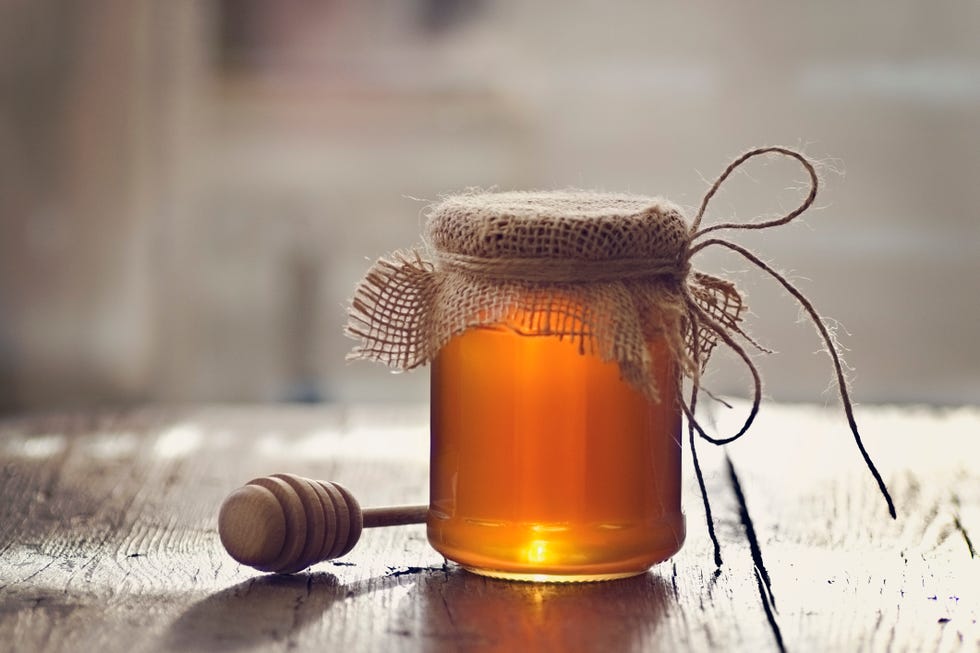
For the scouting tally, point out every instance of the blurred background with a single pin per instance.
(190, 190)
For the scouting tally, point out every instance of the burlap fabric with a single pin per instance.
(608, 271)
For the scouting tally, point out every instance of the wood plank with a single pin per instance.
(108, 543)
(844, 575)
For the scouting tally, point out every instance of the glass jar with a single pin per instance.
(545, 464)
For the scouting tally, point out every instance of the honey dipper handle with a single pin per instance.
(395, 516)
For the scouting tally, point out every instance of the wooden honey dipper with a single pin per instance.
(284, 523)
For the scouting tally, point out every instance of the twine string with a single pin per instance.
(699, 318)
(722, 334)
(696, 232)
(563, 270)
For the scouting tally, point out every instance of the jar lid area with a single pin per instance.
(557, 224)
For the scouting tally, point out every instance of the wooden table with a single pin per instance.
(108, 542)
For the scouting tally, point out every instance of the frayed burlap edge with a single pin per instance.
(407, 309)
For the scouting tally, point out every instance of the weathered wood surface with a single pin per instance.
(108, 542)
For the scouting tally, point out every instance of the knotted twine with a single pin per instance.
(610, 272)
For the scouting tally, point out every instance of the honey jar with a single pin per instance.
(552, 325)
(546, 465)
(559, 326)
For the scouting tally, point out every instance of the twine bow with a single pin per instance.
(713, 309)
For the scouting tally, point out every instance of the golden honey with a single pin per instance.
(545, 465)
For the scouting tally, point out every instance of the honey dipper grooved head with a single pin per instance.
(285, 523)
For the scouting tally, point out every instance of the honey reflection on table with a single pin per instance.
(491, 614)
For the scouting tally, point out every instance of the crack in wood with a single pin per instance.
(958, 525)
(966, 537)
(769, 608)
(30, 576)
(449, 611)
(394, 572)
(763, 581)
(673, 577)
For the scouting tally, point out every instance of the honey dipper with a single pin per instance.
(284, 523)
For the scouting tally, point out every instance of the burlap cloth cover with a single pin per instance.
(609, 271)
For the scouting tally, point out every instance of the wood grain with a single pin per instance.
(108, 542)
